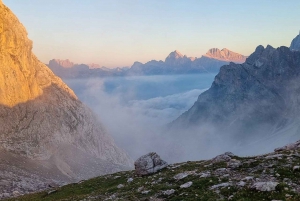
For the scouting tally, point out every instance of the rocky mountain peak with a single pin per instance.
(63, 63)
(295, 45)
(252, 100)
(173, 56)
(225, 55)
(22, 79)
(39, 114)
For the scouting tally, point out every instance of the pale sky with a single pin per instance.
(118, 32)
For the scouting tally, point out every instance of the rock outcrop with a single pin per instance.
(295, 45)
(40, 116)
(149, 164)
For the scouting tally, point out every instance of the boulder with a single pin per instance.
(265, 186)
(149, 164)
(186, 185)
(223, 157)
(233, 164)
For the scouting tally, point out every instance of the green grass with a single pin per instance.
(103, 187)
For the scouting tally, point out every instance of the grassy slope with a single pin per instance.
(105, 187)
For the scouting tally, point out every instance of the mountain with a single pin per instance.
(272, 176)
(42, 122)
(295, 45)
(257, 101)
(175, 63)
(68, 69)
(225, 55)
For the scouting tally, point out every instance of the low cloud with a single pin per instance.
(138, 124)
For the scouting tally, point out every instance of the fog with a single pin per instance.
(136, 110)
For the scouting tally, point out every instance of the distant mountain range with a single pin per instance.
(175, 63)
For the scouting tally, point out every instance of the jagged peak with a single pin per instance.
(173, 56)
(295, 44)
(225, 55)
(176, 53)
(66, 63)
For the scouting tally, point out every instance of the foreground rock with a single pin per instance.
(265, 186)
(149, 164)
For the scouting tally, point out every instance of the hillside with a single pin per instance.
(47, 135)
(273, 176)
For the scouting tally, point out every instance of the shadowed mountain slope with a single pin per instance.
(256, 100)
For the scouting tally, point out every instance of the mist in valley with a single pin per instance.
(136, 111)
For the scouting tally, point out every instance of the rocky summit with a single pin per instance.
(42, 123)
(254, 101)
(225, 55)
(295, 45)
(273, 176)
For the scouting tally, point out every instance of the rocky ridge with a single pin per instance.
(41, 119)
(256, 101)
(175, 63)
(272, 176)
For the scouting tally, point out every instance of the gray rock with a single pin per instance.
(16, 193)
(234, 164)
(180, 176)
(220, 185)
(223, 157)
(145, 192)
(149, 164)
(169, 192)
(241, 184)
(205, 174)
(265, 186)
(186, 185)
(296, 168)
(274, 156)
(120, 186)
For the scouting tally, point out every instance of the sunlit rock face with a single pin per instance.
(257, 98)
(295, 45)
(39, 114)
(225, 55)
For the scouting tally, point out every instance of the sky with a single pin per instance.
(116, 33)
